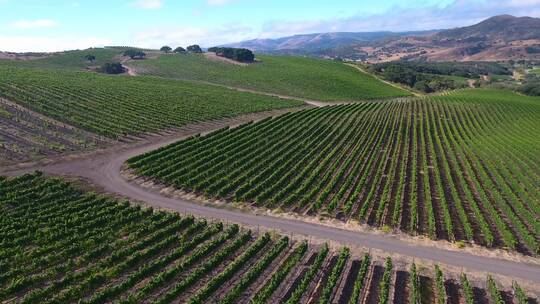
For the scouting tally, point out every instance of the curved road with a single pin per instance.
(104, 170)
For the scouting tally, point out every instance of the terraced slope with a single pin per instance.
(459, 167)
(63, 245)
(286, 75)
(116, 106)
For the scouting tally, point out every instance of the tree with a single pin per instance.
(166, 49)
(90, 57)
(194, 49)
(423, 87)
(133, 53)
(242, 55)
(179, 50)
(400, 74)
(112, 68)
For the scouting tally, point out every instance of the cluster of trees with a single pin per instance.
(531, 85)
(194, 49)
(423, 82)
(90, 58)
(237, 54)
(134, 54)
(180, 50)
(112, 68)
(462, 69)
(107, 68)
(532, 49)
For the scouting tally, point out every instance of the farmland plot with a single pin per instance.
(26, 135)
(463, 166)
(303, 77)
(61, 244)
(118, 106)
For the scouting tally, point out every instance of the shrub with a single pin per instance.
(112, 68)
(90, 57)
(179, 50)
(134, 54)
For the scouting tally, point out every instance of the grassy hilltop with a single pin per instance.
(68, 59)
(287, 75)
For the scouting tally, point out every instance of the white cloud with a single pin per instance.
(183, 36)
(49, 44)
(148, 4)
(32, 24)
(459, 13)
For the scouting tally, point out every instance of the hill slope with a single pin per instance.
(115, 106)
(62, 60)
(286, 75)
(502, 37)
(312, 43)
(503, 27)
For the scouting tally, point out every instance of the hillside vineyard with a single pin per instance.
(63, 245)
(464, 166)
(118, 106)
(310, 78)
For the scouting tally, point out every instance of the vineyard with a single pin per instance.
(461, 167)
(68, 59)
(115, 106)
(26, 135)
(61, 244)
(287, 75)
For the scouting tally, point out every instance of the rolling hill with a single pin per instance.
(314, 43)
(300, 77)
(501, 37)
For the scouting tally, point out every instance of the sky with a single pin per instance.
(56, 25)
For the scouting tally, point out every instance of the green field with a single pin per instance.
(60, 244)
(536, 71)
(115, 106)
(463, 166)
(68, 60)
(293, 76)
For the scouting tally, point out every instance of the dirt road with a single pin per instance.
(104, 170)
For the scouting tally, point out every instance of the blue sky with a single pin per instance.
(37, 25)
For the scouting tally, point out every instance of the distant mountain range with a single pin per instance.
(318, 41)
(502, 37)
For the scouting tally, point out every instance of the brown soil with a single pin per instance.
(348, 288)
(401, 290)
(372, 296)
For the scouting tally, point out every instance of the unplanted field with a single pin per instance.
(459, 167)
(317, 79)
(117, 106)
(61, 244)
